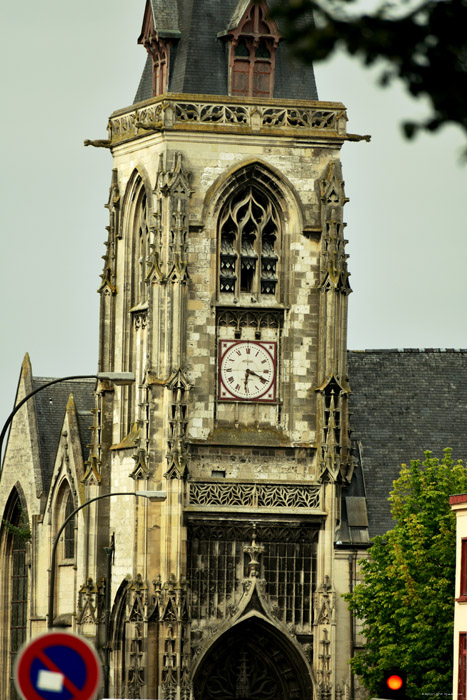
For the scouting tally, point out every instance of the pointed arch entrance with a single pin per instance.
(252, 661)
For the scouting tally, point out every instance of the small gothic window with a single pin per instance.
(14, 569)
(159, 71)
(249, 229)
(252, 54)
(19, 597)
(159, 51)
(69, 533)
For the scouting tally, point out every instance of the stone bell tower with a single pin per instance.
(224, 291)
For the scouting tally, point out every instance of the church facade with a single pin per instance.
(224, 291)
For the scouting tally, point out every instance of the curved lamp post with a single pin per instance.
(151, 495)
(118, 378)
(156, 496)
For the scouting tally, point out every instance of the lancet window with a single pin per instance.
(14, 584)
(65, 507)
(160, 64)
(249, 240)
(252, 54)
(141, 250)
(69, 533)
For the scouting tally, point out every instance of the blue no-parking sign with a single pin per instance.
(57, 666)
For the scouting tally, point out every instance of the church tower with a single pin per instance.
(224, 291)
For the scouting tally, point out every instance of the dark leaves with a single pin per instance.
(426, 48)
(405, 599)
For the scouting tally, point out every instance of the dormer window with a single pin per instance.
(159, 51)
(160, 62)
(253, 47)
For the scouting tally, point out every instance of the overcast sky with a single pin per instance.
(67, 66)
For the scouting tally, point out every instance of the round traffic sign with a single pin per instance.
(57, 666)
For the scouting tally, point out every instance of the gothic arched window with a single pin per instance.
(65, 505)
(69, 533)
(160, 60)
(249, 228)
(15, 535)
(141, 249)
(252, 53)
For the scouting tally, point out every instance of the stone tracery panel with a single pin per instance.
(254, 495)
(168, 112)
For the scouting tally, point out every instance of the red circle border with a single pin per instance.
(27, 655)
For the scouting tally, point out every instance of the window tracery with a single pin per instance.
(252, 53)
(249, 228)
(141, 250)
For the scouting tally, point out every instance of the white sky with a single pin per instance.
(67, 66)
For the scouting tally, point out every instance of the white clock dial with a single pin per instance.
(247, 370)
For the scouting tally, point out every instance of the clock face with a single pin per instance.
(247, 370)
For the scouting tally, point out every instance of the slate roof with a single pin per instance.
(199, 59)
(50, 405)
(404, 402)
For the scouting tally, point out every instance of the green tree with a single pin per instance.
(406, 597)
(424, 43)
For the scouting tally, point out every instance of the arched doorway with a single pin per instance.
(253, 661)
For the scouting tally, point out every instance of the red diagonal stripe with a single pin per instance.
(69, 685)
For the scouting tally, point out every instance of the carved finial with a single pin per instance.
(254, 550)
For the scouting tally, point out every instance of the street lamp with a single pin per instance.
(153, 496)
(118, 378)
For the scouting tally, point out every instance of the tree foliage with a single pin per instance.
(406, 597)
(425, 46)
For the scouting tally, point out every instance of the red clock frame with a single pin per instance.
(268, 349)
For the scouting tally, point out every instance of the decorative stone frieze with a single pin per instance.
(254, 495)
(246, 114)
